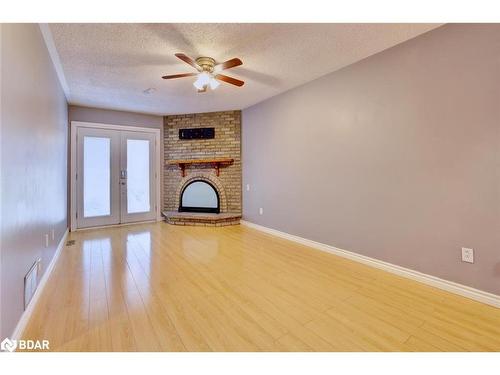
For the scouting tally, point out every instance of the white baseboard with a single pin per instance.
(450, 286)
(25, 317)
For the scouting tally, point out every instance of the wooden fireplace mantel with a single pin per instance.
(215, 162)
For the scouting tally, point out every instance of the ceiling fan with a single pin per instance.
(208, 72)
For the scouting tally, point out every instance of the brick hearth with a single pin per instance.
(202, 219)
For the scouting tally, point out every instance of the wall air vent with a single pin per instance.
(31, 282)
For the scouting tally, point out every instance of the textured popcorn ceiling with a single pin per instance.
(110, 65)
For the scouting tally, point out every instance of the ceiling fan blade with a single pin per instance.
(179, 75)
(231, 80)
(227, 64)
(188, 60)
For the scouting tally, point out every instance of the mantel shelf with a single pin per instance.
(215, 162)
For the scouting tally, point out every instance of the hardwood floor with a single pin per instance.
(158, 287)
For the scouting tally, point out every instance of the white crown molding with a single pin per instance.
(25, 317)
(54, 56)
(449, 286)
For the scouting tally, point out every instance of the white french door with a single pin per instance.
(115, 176)
(137, 176)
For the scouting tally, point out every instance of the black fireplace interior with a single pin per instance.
(199, 196)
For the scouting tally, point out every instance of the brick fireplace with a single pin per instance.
(194, 165)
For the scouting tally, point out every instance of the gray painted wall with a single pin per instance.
(396, 157)
(34, 140)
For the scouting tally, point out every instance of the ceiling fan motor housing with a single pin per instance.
(206, 63)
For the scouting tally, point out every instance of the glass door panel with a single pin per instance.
(97, 177)
(138, 177)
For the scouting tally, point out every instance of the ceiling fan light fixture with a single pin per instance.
(214, 83)
(202, 80)
(198, 84)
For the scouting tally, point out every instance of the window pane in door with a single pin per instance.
(137, 176)
(96, 176)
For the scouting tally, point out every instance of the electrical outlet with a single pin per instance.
(248, 187)
(47, 240)
(53, 234)
(467, 255)
(261, 211)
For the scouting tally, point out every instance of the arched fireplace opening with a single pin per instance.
(199, 196)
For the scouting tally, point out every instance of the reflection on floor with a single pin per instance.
(159, 287)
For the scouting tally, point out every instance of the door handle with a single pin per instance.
(123, 174)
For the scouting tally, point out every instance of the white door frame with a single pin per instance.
(73, 167)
